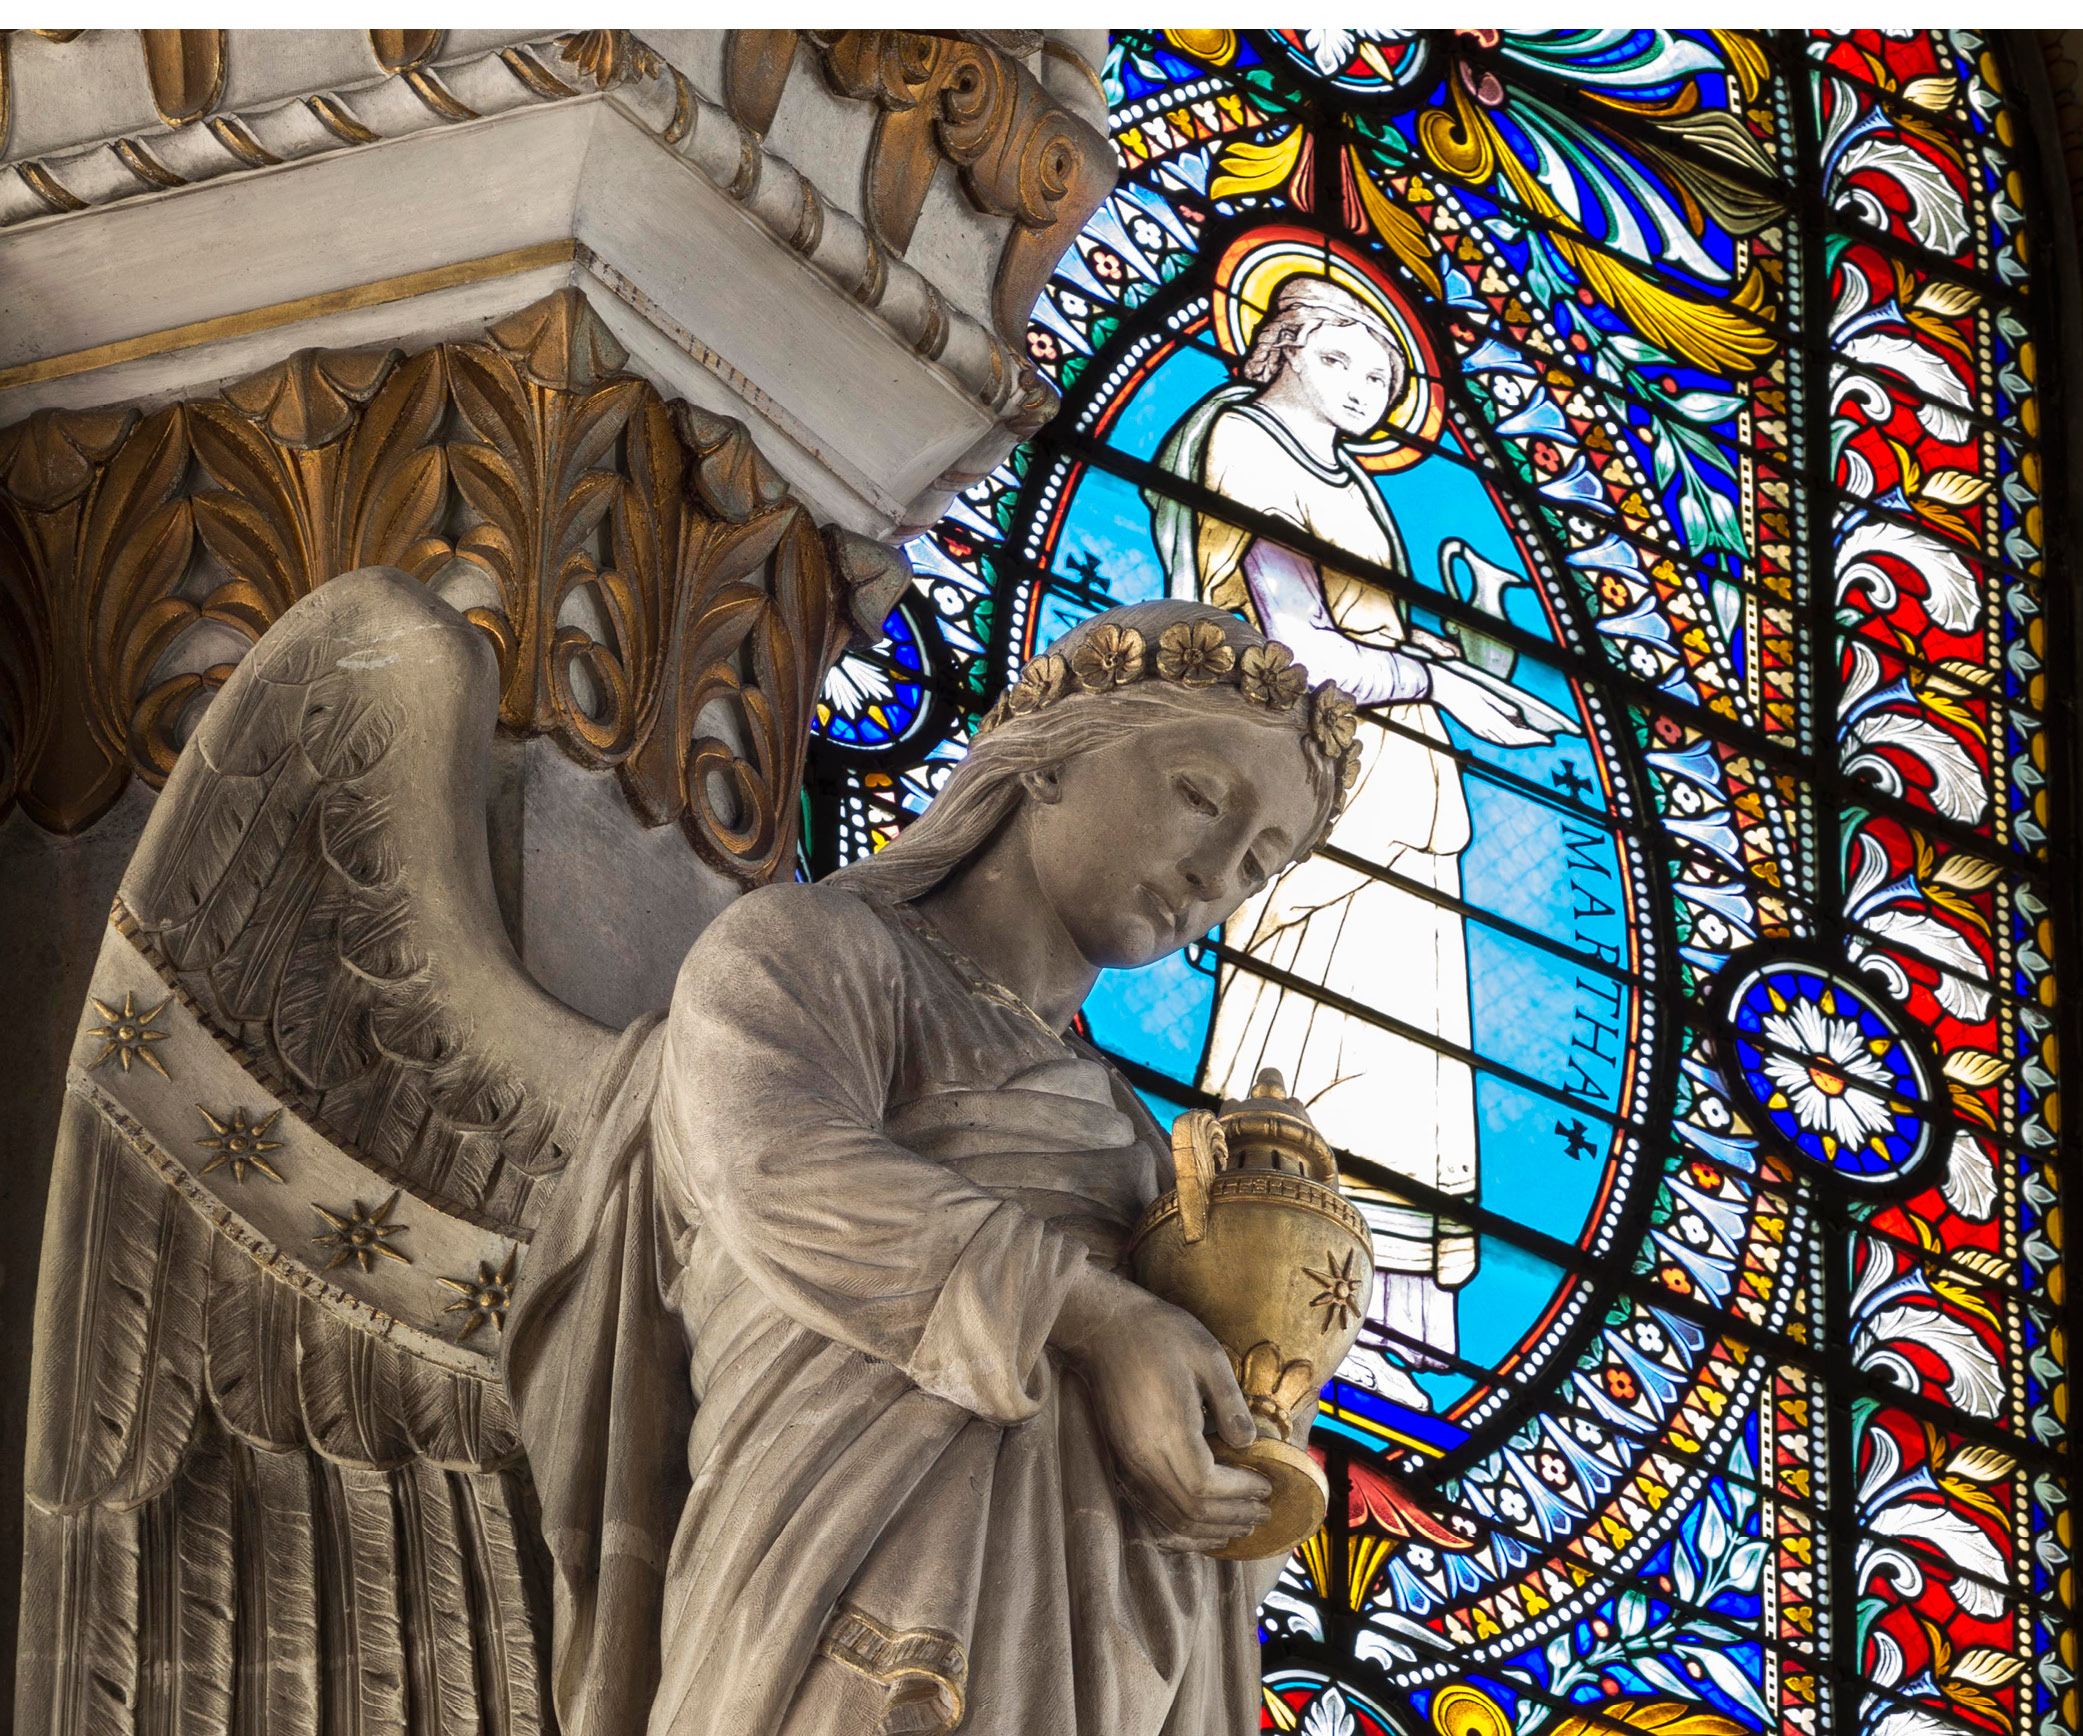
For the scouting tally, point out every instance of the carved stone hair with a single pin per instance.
(985, 788)
(1304, 306)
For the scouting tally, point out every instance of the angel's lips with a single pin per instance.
(1169, 918)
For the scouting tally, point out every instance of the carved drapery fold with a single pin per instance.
(1018, 153)
(665, 608)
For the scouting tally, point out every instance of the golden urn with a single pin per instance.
(1257, 1243)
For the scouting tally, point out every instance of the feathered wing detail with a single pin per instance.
(515, 1650)
(261, 1497)
(280, 1595)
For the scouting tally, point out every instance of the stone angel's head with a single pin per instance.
(1328, 354)
(1157, 765)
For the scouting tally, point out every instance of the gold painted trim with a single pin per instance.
(146, 167)
(933, 1661)
(236, 137)
(1054, 50)
(404, 50)
(683, 109)
(282, 313)
(443, 101)
(536, 76)
(810, 223)
(185, 69)
(45, 186)
(337, 121)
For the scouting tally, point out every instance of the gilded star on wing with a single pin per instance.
(484, 1298)
(360, 1234)
(1340, 1296)
(240, 1142)
(126, 1035)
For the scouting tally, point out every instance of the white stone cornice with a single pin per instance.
(116, 244)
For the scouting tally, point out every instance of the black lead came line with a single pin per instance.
(1569, 660)
(1613, 1273)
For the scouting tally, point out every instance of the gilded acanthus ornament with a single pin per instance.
(1018, 153)
(607, 58)
(530, 455)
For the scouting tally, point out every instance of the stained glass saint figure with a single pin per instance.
(1322, 373)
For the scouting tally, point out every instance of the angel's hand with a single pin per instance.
(1444, 650)
(1158, 1381)
(1480, 710)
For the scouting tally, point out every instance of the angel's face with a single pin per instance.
(1345, 374)
(1149, 842)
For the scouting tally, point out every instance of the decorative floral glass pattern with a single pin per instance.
(1696, 544)
(1823, 1065)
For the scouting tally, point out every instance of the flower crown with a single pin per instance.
(1192, 654)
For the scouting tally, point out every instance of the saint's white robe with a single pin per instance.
(1370, 1089)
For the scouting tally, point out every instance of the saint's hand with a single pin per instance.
(1482, 711)
(1159, 1381)
(1440, 649)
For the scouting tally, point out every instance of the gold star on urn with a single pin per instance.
(240, 1142)
(360, 1235)
(483, 1298)
(1340, 1296)
(125, 1034)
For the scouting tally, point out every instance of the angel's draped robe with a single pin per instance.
(861, 1182)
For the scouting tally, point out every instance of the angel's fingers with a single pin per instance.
(1226, 1407)
(1238, 1516)
(1233, 1483)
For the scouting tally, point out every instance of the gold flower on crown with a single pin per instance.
(1110, 657)
(1042, 680)
(1270, 676)
(1331, 719)
(1196, 653)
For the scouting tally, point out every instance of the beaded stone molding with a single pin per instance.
(1192, 654)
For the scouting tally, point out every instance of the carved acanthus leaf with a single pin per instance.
(1018, 152)
(664, 606)
(325, 462)
(548, 410)
(101, 538)
(609, 57)
(756, 65)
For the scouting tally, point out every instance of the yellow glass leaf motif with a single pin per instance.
(1249, 168)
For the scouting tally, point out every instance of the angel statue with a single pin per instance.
(1323, 370)
(416, 1354)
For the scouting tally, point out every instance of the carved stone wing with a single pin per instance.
(315, 1105)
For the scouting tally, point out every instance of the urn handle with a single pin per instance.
(1199, 1152)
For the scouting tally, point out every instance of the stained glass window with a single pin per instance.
(1645, 420)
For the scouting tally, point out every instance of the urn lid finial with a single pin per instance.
(1270, 1130)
